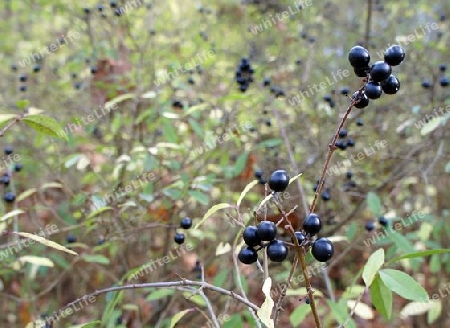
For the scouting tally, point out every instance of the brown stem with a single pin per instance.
(10, 124)
(368, 23)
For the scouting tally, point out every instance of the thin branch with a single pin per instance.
(10, 124)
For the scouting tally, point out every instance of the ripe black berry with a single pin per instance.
(186, 223)
(426, 84)
(391, 85)
(312, 224)
(94, 70)
(5, 179)
(327, 98)
(349, 174)
(322, 249)
(359, 57)
(383, 221)
(18, 167)
(442, 67)
(345, 91)
(444, 81)
(360, 122)
(248, 255)
(300, 237)
(266, 82)
(350, 143)
(36, 68)
(279, 181)
(258, 174)
(251, 236)
(373, 90)
(262, 181)
(23, 88)
(113, 4)
(341, 144)
(23, 78)
(14, 67)
(9, 197)
(394, 55)
(325, 196)
(100, 7)
(343, 133)
(267, 230)
(179, 238)
(86, 10)
(369, 226)
(277, 251)
(380, 71)
(8, 150)
(268, 122)
(71, 238)
(362, 102)
(307, 301)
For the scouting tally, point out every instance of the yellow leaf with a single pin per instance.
(11, 215)
(246, 190)
(210, 212)
(265, 311)
(40, 261)
(25, 194)
(361, 310)
(177, 317)
(45, 242)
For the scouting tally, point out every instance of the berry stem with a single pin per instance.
(331, 149)
(11, 123)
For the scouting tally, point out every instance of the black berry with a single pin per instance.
(341, 144)
(71, 238)
(349, 174)
(325, 196)
(391, 85)
(36, 68)
(345, 91)
(279, 181)
(5, 179)
(23, 78)
(359, 57)
(362, 72)
(186, 223)
(9, 197)
(258, 174)
(426, 84)
(267, 230)
(380, 71)
(373, 90)
(350, 143)
(442, 67)
(18, 167)
(312, 224)
(322, 249)
(383, 221)
(266, 82)
(394, 55)
(94, 70)
(300, 237)
(179, 238)
(360, 122)
(362, 102)
(251, 236)
(343, 133)
(327, 98)
(8, 150)
(277, 251)
(369, 226)
(444, 81)
(113, 4)
(248, 255)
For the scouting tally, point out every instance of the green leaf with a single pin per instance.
(177, 317)
(199, 197)
(116, 298)
(374, 263)
(197, 299)
(418, 254)
(196, 127)
(381, 297)
(374, 203)
(111, 104)
(96, 258)
(161, 293)
(235, 321)
(169, 131)
(6, 118)
(245, 191)
(220, 278)
(447, 167)
(269, 143)
(240, 163)
(45, 124)
(99, 211)
(431, 126)
(434, 312)
(403, 285)
(210, 212)
(299, 314)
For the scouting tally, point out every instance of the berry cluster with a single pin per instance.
(343, 141)
(263, 235)
(378, 75)
(444, 81)
(244, 74)
(371, 225)
(185, 223)
(101, 9)
(9, 196)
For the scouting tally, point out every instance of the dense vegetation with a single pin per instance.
(141, 138)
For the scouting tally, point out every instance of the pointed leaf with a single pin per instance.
(403, 285)
(210, 212)
(95, 258)
(361, 310)
(381, 297)
(295, 178)
(177, 317)
(299, 314)
(265, 311)
(374, 203)
(418, 254)
(45, 242)
(431, 126)
(99, 211)
(161, 293)
(11, 214)
(416, 308)
(374, 263)
(6, 118)
(245, 191)
(25, 194)
(40, 261)
(45, 124)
